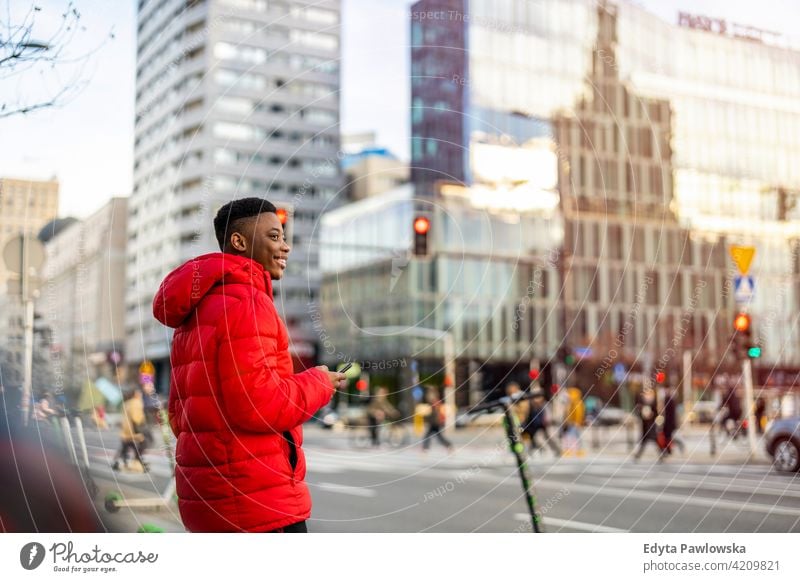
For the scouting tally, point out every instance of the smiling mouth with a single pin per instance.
(281, 261)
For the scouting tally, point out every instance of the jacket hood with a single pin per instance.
(184, 288)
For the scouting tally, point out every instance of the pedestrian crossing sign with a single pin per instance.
(743, 288)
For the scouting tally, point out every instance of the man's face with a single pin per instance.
(267, 245)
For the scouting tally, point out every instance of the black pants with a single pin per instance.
(137, 448)
(649, 434)
(531, 432)
(299, 527)
(374, 435)
(435, 431)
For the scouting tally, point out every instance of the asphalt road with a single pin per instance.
(477, 489)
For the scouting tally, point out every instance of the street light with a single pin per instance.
(448, 348)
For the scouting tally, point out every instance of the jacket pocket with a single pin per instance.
(292, 445)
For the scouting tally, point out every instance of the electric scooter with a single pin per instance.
(516, 446)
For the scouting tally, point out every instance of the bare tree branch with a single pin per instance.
(27, 49)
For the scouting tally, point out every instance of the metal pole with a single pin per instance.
(747, 374)
(27, 364)
(68, 439)
(450, 380)
(27, 379)
(688, 394)
(82, 440)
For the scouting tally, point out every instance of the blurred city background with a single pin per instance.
(593, 200)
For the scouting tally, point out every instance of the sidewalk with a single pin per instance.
(130, 520)
(607, 443)
(617, 442)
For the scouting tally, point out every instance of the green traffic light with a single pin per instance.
(754, 352)
(569, 360)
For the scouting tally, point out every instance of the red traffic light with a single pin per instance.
(422, 225)
(741, 322)
(660, 377)
(554, 389)
(283, 215)
(533, 374)
(361, 385)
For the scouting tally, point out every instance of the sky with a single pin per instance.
(87, 143)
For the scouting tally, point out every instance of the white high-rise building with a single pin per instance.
(234, 98)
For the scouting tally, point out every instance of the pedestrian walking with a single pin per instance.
(152, 405)
(761, 407)
(435, 421)
(731, 420)
(379, 411)
(647, 411)
(536, 422)
(42, 410)
(574, 417)
(669, 425)
(521, 408)
(236, 404)
(132, 437)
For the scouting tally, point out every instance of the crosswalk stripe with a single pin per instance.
(708, 485)
(572, 524)
(346, 489)
(670, 498)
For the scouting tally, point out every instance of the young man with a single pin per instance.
(235, 405)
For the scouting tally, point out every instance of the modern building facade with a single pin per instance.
(372, 171)
(25, 207)
(651, 146)
(82, 300)
(234, 98)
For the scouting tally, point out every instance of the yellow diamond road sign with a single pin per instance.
(743, 256)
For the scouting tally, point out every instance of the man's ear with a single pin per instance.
(238, 242)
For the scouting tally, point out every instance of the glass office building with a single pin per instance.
(652, 146)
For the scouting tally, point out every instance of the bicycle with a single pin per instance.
(394, 433)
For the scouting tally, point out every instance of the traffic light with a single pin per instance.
(741, 323)
(742, 337)
(421, 228)
(567, 356)
(283, 215)
(533, 374)
(661, 377)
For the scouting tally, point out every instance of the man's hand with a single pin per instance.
(337, 379)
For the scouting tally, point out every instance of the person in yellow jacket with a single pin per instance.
(574, 417)
(132, 430)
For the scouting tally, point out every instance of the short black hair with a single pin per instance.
(229, 218)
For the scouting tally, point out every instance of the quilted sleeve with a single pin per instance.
(253, 395)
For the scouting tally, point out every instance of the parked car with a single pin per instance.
(783, 443)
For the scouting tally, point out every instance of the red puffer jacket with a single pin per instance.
(235, 404)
